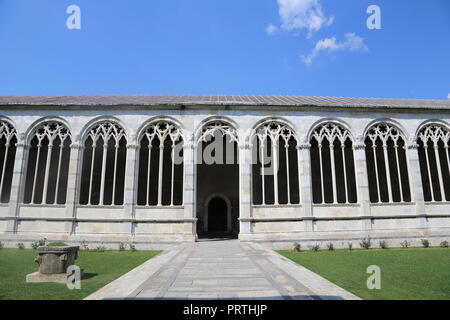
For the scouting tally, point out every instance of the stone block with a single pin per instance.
(36, 277)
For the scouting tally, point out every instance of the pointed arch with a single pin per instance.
(103, 164)
(160, 175)
(206, 141)
(31, 130)
(47, 163)
(209, 128)
(275, 168)
(8, 140)
(391, 122)
(216, 146)
(387, 165)
(338, 122)
(433, 144)
(332, 163)
(285, 122)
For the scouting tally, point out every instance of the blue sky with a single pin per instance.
(226, 47)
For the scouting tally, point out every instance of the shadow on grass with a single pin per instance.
(89, 275)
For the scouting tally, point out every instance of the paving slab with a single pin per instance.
(226, 269)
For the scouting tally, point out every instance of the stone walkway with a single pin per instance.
(226, 269)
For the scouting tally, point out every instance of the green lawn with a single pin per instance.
(405, 273)
(100, 268)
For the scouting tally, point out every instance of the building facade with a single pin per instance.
(157, 170)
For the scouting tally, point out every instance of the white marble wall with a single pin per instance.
(271, 224)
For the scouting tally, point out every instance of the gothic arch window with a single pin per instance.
(433, 144)
(48, 164)
(8, 140)
(208, 149)
(103, 171)
(273, 186)
(211, 128)
(332, 165)
(160, 177)
(387, 167)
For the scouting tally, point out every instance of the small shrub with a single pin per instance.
(84, 245)
(57, 244)
(350, 246)
(100, 248)
(297, 247)
(366, 243)
(405, 244)
(443, 244)
(122, 246)
(37, 244)
(330, 246)
(132, 247)
(425, 243)
(384, 244)
(21, 246)
(1, 245)
(315, 247)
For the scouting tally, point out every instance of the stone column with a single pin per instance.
(304, 170)
(18, 179)
(189, 194)
(72, 183)
(245, 189)
(415, 181)
(130, 180)
(362, 183)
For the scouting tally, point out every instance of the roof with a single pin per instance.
(219, 100)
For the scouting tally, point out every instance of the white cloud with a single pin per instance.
(352, 43)
(303, 14)
(448, 97)
(271, 29)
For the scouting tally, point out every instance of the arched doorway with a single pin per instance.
(217, 214)
(217, 179)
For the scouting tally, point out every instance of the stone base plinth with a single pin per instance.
(57, 277)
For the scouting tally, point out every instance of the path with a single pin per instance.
(226, 269)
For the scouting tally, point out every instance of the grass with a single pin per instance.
(100, 268)
(57, 244)
(406, 274)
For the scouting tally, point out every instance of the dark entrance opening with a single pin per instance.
(217, 215)
(217, 187)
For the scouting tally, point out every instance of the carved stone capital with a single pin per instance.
(359, 146)
(22, 144)
(76, 145)
(303, 146)
(132, 146)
